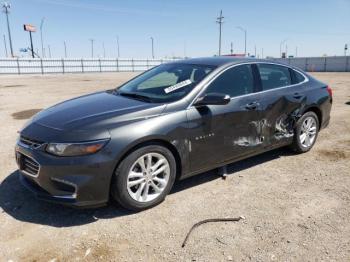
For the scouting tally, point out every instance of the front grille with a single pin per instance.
(30, 142)
(29, 165)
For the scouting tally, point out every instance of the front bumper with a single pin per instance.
(82, 181)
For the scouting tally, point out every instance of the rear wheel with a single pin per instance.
(144, 178)
(306, 132)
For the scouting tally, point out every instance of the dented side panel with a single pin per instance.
(281, 108)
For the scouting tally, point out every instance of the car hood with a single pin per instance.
(94, 108)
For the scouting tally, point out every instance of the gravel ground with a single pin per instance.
(296, 207)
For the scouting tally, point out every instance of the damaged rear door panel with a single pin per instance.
(282, 101)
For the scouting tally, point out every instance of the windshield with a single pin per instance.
(165, 83)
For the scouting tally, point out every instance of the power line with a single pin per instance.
(220, 22)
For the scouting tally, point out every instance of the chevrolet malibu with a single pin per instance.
(174, 121)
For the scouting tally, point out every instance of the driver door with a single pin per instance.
(220, 133)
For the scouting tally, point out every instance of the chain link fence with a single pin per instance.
(52, 66)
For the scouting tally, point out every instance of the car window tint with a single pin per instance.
(298, 77)
(235, 81)
(274, 76)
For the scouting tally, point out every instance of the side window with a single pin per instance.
(298, 77)
(235, 81)
(274, 76)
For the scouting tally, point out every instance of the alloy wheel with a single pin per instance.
(148, 177)
(308, 132)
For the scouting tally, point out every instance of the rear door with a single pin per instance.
(222, 132)
(281, 100)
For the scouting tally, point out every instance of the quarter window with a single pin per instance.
(235, 81)
(274, 76)
(298, 77)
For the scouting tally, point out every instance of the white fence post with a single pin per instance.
(62, 66)
(18, 67)
(42, 67)
(82, 65)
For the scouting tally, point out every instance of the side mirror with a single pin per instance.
(212, 99)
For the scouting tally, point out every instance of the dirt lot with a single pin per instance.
(296, 207)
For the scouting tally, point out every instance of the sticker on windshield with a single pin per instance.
(177, 86)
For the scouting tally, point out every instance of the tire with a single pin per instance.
(134, 197)
(300, 145)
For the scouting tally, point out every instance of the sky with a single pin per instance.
(180, 27)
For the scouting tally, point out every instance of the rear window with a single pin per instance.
(274, 76)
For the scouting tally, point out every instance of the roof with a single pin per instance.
(218, 60)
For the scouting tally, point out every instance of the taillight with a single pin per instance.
(330, 92)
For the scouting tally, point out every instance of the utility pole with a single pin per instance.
(231, 48)
(41, 37)
(118, 53)
(219, 21)
(5, 45)
(65, 49)
(48, 47)
(104, 50)
(262, 53)
(92, 47)
(245, 39)
(152, 40)
(6, 9)
(286, 51)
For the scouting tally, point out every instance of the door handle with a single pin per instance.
(297, 95)
(252, 105)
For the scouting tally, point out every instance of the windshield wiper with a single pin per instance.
(136, 96)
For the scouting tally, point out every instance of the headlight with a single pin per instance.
(76, 149)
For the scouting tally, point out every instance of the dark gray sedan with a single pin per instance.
(171, 122)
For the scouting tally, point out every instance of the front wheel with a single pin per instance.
(144, 178)
(306, 132)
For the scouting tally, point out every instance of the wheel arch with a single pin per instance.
(154, 141)
(318, 113)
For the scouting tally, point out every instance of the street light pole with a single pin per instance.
(5, 45)
(118, 47)
(6, 9)
(245, 39)
(152, 40)
(49, 48)
(65, 49)
(104, 50)
(41, 37)
(92, 47)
